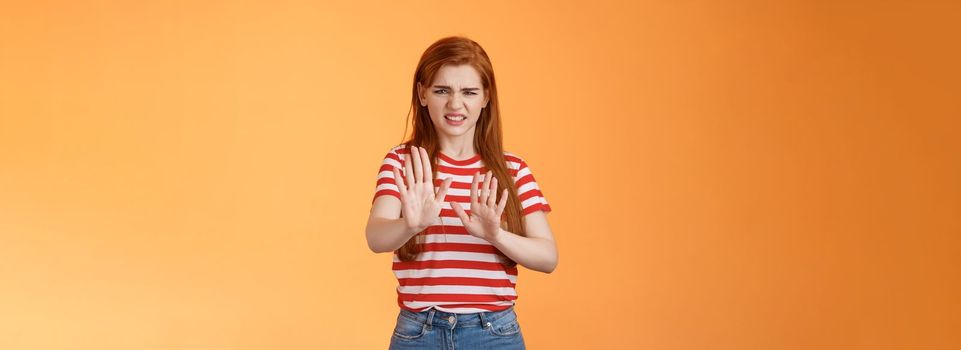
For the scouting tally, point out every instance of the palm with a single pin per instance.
(484, 220)
(420, 205)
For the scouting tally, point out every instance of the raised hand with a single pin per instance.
(420, 205)
(484, 220)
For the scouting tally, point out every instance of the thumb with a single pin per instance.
(442, 192)
(460, 212)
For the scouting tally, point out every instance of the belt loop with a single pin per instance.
(430, 319)
(483, 319)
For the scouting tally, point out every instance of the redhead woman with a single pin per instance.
(457, 211)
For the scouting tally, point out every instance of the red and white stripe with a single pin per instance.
(457, 272)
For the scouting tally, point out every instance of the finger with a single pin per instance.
(399, 181)
(473, 188)
(442, 193)
(428, 172)
(409, 170)
(484, 190)
(502, 204)
(418, 167)
(492, 200)
(460, 213)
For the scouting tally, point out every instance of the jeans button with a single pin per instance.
(451, 319)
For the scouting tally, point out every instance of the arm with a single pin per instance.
(392, 221)
(537, 251)
(386, 230)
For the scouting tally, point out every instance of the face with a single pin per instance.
(454, 99)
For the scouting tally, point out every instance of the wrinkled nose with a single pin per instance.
(453, 101)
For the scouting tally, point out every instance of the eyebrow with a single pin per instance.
(448, 87)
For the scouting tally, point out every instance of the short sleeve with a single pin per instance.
(385, 176)
(528, 192)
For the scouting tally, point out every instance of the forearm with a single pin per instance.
(537, 254)
(387, 235)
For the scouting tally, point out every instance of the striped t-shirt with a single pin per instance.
(455, 271)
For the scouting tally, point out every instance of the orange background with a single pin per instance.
(749, 175)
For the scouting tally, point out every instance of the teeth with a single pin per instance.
(455, 118)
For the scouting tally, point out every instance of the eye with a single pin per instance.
(470, 93)
(440, 91)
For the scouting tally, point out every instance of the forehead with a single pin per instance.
(459, 75)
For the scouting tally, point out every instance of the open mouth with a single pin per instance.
(455, 119)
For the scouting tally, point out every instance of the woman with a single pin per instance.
(458, 211)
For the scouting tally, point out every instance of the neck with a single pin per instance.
(460, 147)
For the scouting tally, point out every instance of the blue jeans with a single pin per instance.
(440, 330)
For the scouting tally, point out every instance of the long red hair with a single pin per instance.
(488, 138)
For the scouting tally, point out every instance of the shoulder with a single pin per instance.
(395, 156)
(514, 161)
(398, 151)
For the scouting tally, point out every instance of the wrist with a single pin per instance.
(498, 236)
(414, 230)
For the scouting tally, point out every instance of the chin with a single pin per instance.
(454, 132)
(451, 130)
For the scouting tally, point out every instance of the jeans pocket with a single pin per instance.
(409, 329)
(505, 327)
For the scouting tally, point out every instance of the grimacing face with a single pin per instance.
(454, 99)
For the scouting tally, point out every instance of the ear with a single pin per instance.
(486, 98)
(420, 95)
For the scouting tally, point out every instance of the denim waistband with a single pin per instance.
(434, 317)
